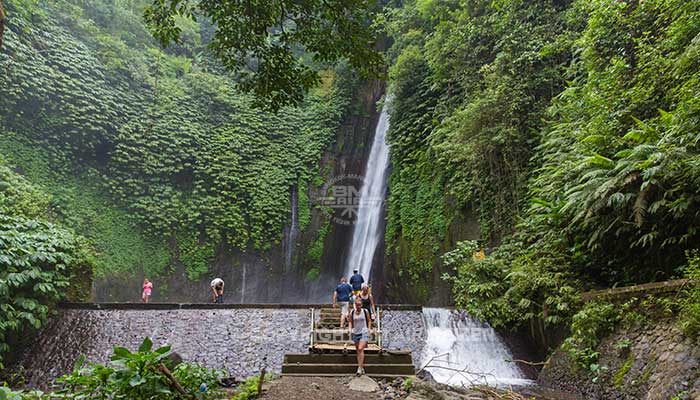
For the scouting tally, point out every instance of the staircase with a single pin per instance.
(332, 352)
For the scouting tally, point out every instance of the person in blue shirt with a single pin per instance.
(341, 296)
(356, 280)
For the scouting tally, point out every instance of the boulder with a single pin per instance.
(363, 384)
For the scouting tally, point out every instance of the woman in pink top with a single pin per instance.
(147, 286)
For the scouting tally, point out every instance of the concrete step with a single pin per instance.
(348, 369)
(370, 358)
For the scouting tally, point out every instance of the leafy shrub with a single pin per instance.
(588, 326)
(248, 389)
(510, 288)
(40, 262)
(689, 315)
(136, 375)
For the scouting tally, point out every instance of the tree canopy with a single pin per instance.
(268, 43)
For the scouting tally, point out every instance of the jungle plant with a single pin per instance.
(38, 260)
(261, 47)
(143, 374)
(689, 315)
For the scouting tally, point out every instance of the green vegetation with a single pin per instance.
(263, 46)
(689, 313)
(568, 128)
(588, 326)
(40, 262)
(142, 148)
(624, 369)
(132, 375)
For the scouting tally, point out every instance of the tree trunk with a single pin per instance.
(2, 22)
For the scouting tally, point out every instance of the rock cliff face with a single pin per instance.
(640, 363)
(271, 276)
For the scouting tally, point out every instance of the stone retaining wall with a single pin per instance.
(659, 363)
(236, 339)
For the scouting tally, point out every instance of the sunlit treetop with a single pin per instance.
(261, 40)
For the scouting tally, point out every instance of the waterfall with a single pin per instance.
(456, 341)
(243, 285)
(368, 228)
(293, 231)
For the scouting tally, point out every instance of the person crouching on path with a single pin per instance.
(360, 325)
(367, 300)
(356, 281)
(147, 287)
(341, 295)
(217, 290)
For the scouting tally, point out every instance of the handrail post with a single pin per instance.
(379, 328)
(311, 339)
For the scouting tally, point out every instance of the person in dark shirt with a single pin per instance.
(356, 280)
(341, 296)
(367, 300)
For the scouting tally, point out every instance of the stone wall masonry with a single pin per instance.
(660, 363)
(236, 339)
(406, 330)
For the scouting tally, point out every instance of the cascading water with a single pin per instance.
(456, 341)
(293, 231)
(368, 229)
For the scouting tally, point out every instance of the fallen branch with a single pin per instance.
(174, 381)
(536, 364)
(427, 365)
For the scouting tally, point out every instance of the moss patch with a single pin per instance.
(624, 369)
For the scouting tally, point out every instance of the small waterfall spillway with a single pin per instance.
(368, 230)
(456, 342)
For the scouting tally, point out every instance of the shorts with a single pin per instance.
(344, 307)
(356, 292)
(360, 336)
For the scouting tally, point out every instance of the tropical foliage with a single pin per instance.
(153, 155)
(142, 374)
(261, 40)
(40, 262)
(568, 128)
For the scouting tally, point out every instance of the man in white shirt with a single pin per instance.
(217, 289)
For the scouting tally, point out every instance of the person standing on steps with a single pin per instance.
(147, 287)
(341, 295)
(356, 281)
(217, 290)
(360, 325)
(367, 300)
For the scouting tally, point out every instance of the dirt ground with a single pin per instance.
(289, 387)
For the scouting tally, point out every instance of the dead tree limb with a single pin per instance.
(174, 381)
(534, 364)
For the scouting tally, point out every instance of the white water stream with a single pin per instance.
(293, 231)
(456, 341)
(368, 228)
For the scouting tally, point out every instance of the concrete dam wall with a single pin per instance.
(240, 339)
